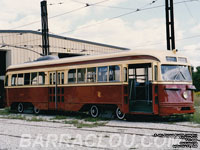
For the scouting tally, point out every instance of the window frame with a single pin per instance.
(115, 73)
(21, 78)
(92, 78)
(107, 73)
(75, 81)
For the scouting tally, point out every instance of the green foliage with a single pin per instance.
(5, 111)
(195, 118)
(197, 99)
(18, 117)
(35, 119)
(59, 117)
(196, 78)
(80, 124)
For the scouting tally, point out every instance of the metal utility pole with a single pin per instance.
(170, 24)
(45, 30)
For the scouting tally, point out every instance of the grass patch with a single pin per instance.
(5, 111)
(19, 117)
(196, 117)
(74, 122)
(35, 119)
(197, 99)
(92, 119)
(87, 125)
(59, 117)
(78, 124)
(106, 136)
(72, 138)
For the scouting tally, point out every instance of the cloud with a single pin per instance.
(193, 53)
(122, 33)
(195, 29)
(133, 31)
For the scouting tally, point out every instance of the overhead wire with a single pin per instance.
(190, 13)
(124, 14)
(136, 10)
(65, 13)
(162, 42)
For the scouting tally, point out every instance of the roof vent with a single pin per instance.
(48, 57)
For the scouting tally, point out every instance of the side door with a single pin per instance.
(140, 88)
(60, 90)
(53, 90)
(56, 90)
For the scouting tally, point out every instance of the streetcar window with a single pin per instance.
(62, 78)
(34, 78)
(171, 59)
(14, 80)
(175, 73)
(156, 73)
(102, 74)
(6, 81)
(72, 76)
(27, 79)
(149, 73)
(81, 75)
(54, 78)
(125, 74)
(50, 78)
(91, 74)
(20, 80)
(41, 78)
(59, 78)
(182, 59)
(141, 75)
(114, 73)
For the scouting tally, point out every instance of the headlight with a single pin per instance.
(185, 95)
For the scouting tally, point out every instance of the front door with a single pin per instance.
(140, 88)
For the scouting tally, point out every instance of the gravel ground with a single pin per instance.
(29, 132)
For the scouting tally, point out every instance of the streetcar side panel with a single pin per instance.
(38, 96)
(78, 96)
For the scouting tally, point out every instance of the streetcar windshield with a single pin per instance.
(175, 73)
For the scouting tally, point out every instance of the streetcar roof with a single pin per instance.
(160, 55)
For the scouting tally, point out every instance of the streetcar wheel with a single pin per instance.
(20, 108)
(36, 110)
(119, 114)
(94, 111)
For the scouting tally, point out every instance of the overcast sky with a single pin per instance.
(143, 29)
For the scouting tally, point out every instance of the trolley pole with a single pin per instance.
(45, 30)
(170, 33)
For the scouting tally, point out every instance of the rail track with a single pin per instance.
(68, 126)
(105, 129)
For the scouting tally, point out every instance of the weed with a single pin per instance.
(5, 111)
(106, 136)
(78, 124)
(195, 118)
(20, 117)
(59, 117)
(197, 99)
(35, 119)
(91, 119)
(72, 138)
(74, 122)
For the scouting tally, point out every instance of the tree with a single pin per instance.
(196, 78)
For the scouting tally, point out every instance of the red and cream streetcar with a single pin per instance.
(132, 82)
